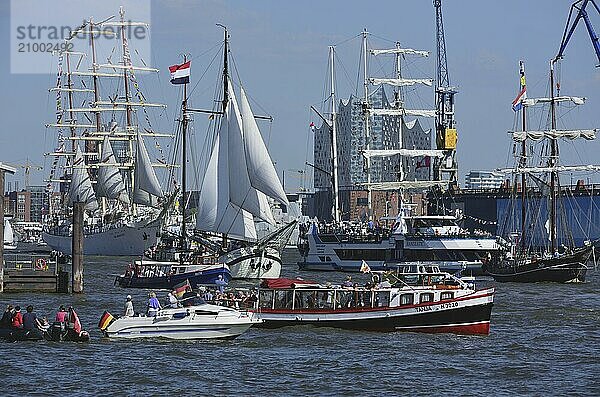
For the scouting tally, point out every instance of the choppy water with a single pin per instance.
(545, 340)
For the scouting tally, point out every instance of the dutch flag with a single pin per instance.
(180, 74)
(518, 102)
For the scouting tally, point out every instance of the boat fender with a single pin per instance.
(40, 264)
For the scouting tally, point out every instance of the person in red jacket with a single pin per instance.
(17, 321)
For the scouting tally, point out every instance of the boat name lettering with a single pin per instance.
(419, 243)
(448, 305)
(424, 309)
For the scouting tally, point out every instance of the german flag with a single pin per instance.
(180, 288)
(105, 320)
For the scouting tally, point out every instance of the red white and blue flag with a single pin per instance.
(180, 74)
(518, 102)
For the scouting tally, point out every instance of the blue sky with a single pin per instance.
(280, 50)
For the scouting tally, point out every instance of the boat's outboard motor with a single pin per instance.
(57, 331)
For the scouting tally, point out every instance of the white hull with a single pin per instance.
(123, 240)
(246, 263)
(196, 322)
(388, 253)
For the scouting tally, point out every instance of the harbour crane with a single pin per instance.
(27, 167)
(580, 7)
(445, 124)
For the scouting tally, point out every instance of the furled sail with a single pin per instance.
(520, 136)
(216, 213)
(560, 168)
(404, 51)
(81, 186)
(534, 101)
(110, 182)
(401, 82)
(261, 171)
(403, 152)
(403, 112)
(146, 188)
(406, 185)
(241, 191)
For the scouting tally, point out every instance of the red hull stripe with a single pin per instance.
(482, 328)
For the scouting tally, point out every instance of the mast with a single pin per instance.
(127, 62)
(523, 159)
(336, 187)
(70, 97)
(366, 113)
(95, 76)
(399, 103)
(225, 91)
(554, 181)
(184, 122)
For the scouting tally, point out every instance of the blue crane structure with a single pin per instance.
(445, 124)
(580, 7)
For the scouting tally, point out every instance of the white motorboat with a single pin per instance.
(194, 322)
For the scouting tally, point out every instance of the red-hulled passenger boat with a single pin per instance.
(416, 297)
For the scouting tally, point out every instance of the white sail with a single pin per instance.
(260, 166)
(401, 82)
(406, 185)
(534, 101)
(81, 186)
(403, 112)
(9, 235)
(241, 191)
(215, 211)
(110, 182)
(404, 51)
(520, 136)
(403, 152)
(146, 188)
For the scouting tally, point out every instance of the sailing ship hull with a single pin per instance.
(196, 322)
(196, 278)
(249, 263)
(564, 269)
(126, 240)
(468, 315)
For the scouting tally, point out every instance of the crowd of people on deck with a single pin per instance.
(13, 318)
(216, 295)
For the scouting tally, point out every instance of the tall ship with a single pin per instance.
(237, 188)
(343, 245)
(537, 162)
(238, 182)
(102, 125)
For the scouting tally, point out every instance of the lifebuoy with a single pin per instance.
(375, 278)
(40, 264)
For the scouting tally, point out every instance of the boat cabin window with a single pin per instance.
(283, 299)
(426, 297)
(446, 295)
(407, 299)
(306, 300)
(265, 299)
(381, 298)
